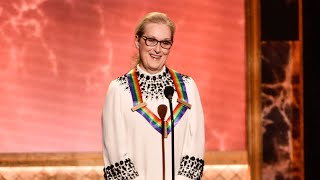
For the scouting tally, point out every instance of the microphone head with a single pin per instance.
(168, 92)
(162, 111)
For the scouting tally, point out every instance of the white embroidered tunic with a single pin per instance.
(132, 145)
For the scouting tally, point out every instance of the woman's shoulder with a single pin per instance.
(184, 76)
(121, 80)
(119, 83)
(187, 79)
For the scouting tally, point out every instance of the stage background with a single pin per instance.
(57, 58)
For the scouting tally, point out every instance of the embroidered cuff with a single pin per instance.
(191, 167)
(120, 170)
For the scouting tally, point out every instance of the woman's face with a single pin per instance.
(153, 58)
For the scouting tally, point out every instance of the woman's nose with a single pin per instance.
(157, 48)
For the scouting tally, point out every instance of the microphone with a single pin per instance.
(168, 92)
(162, 111)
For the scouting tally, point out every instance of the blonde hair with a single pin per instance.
(153, 17)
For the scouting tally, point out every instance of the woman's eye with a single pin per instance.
(166, 42)
(152, 40)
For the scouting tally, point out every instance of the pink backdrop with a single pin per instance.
(57, 58)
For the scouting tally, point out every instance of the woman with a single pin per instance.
(136, 140)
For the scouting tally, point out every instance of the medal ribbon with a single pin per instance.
(154, 120)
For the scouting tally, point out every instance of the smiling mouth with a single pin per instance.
(155, 56)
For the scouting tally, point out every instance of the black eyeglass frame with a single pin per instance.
(145, 38)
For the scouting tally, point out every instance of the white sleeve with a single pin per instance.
(117, 163)
(192, 163)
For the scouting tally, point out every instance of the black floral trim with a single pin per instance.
(191, 167)
(152, 86)
(119, 171)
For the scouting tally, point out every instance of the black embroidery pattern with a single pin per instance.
(122, 170)
(191, 167)
(152, 86)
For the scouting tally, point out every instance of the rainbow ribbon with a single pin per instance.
(154, 120)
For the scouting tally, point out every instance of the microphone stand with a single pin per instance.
(168, 92)
(172, 135)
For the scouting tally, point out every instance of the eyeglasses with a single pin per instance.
(166, 44)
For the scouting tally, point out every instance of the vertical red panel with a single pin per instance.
(58, 56)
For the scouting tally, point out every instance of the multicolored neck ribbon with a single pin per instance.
(153, 119)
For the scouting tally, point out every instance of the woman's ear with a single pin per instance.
(137, 42)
